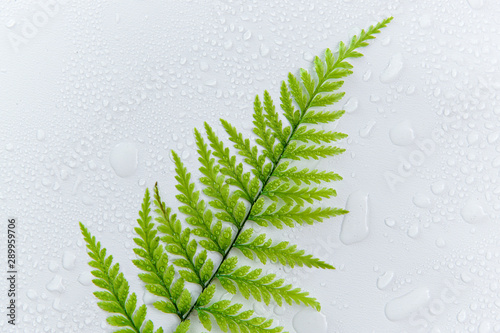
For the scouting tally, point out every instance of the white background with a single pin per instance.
(423, 145)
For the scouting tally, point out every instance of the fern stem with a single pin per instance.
(359, 42)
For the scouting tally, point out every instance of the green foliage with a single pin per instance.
(257, 182)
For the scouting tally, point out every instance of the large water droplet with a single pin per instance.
(68, 260)
(355, 224)
(124, 159)
(384, 280)
(401, 307)
(402, 134)
(392, 71)
(56, 284)
(351, 105)
(473, 212)
(309, 320)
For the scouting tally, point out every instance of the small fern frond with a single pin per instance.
(265, 138)
(298, 152)
(294, 194)
(154, 261)
(234, 172)
(306, 135)
(195, 208)
(215, 185)
(230, 319)
(322, 117)
(290, 215)
(250, 152)
(283, 172)
(115, 298)
(283, 252)
(177, 240)
(261, 287)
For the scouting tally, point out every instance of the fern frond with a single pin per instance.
(195, 208)
(306, 135)
(271, 191)
(298, 176)
(177, 240)
(293, 194)
(229, 168)
(251, 154)
(322, 117)
(261, 287)
(214, 181)
(272, 148)
(116, 297)
(154, 261)
(230, 319)
(291, 214)
(283, 252)
(183, 327)
(297, 152)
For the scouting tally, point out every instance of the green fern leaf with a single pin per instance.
(229, 319)
(282, 252)
(298, 176)
(263, 287)
(116, 297)
(265, 188)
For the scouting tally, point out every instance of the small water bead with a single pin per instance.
(390, 222)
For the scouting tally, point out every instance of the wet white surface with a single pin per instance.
(94, 96)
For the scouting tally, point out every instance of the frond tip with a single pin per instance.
(115, 298)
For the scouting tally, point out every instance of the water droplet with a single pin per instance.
(473, 212)
(32, 294)
(309, 320)
(124, 159)
(68, 260)
(402, 134)
(53, 266)
(392, 71)
(390, 222)
(355, 224)
(413, 230)
(401, 307)
(351, 105)
(40, 135)
(421, 200)
(438, 187)
(476, 4)
(56, 284)
(264, 50)
(384, 280)
(365, 132)
(85, 278)
(485, 327)
(440, 242)
(462, 315)
(425, 21)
